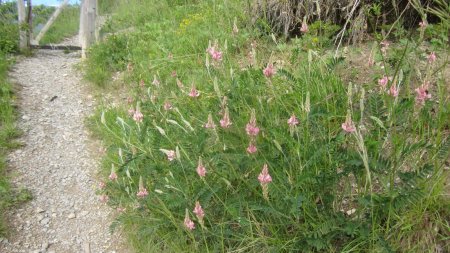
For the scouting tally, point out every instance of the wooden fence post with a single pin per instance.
(22, 23)
(87, 25)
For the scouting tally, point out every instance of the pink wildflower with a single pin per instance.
(304, 27)
(129, 100)
(432, 57)
(423, 24)
(225, 122)
(101, 185)
(264, 177)
(138, 116)
(188, 223)
(104, 198)
(113, 175)
(142, 190)
(422, 93)
(348, 125)
(210, 124)
(383, 82)
(174, 74)
(251, 149)
(167, 106)
(293, 121)
(198, 210)
(393, 91)
(217, 55)
(251, 127)
(269, 71)
(142, 83)
(171, 155)
(194, 92)
(201, 170)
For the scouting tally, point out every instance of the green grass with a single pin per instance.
(378, 189)
(65, 25)
(8, 132)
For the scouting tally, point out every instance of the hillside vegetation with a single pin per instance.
(235, 139)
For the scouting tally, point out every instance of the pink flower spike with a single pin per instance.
(142, 83)
(210, 124)
(431, 57)
(113, 175)
(264, 177)
(138, 116)
(201, 170)
(171, 155)
(189, 223)
(198, 210)
(383, 82)
(423, 24)
(251, 149)
(251, 127)
(269, 71)
(167, 106)
(304, 28)
(194, 92)
(131, 112)
(142, 191)
(103, 198)
(293, 121)
(393, 91)
(225, 122)
(101, 185)
(348, 125)
(422, 93)
(217, 55)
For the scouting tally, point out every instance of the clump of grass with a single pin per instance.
(353, 167)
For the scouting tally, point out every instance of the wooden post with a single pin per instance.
(30, 23)
(22, 23)
(87, 25)
(49, 22)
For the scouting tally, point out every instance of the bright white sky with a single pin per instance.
(49, 2)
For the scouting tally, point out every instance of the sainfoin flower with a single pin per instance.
(171, 155)
(422, 93)
(198, 211)
(103, 198)
(113, 175)
(101, 185)
(131, 112)
(251, 127)
(423, 24)
(264, 179)
(383, 82)
(393, 91)
(348, 125)
(194, 92)
(201, 170)
(142, 190)
(210, 124)
(167, 106)
(142, 83)
(269, 71)
(214, 52)
(225, 122)
(251, 149)
(293, 121)
(188, 223)
(431, 57)
(304, 27)
(138, 116)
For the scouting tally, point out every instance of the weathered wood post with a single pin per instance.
(87, 24)
(49, 22)
(22, 23)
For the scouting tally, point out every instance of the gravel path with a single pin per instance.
(58, 163)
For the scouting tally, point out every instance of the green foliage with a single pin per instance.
(8, 28)
(331, 191)
(66, 25)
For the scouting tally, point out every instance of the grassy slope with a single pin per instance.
(184, 31)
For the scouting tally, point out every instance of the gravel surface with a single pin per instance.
(58, 163)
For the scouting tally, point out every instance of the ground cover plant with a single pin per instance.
(233, 140)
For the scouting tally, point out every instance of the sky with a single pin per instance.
(50, 2)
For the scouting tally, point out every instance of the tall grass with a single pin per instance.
(369, 189)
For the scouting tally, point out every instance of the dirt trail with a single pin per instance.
(58, 163)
